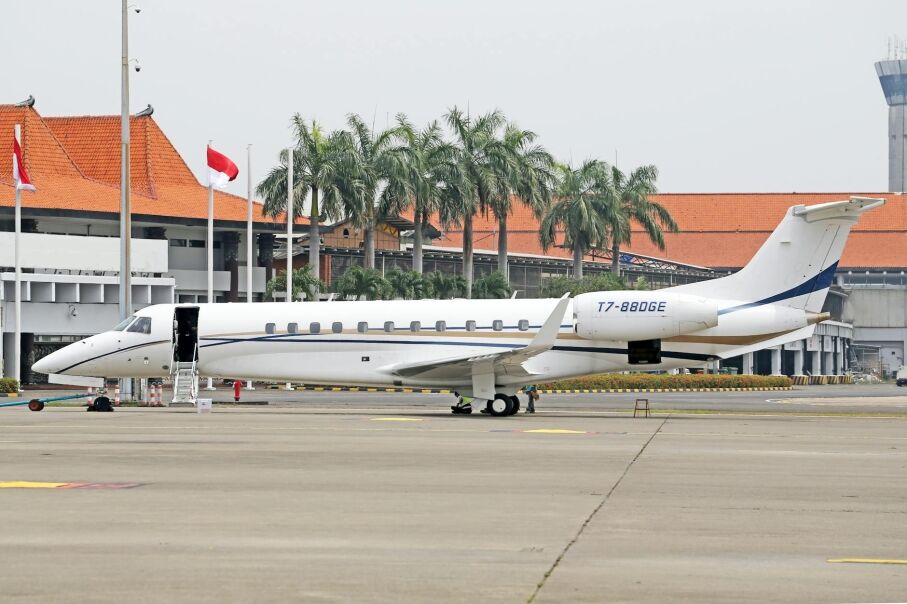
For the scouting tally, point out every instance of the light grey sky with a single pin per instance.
(721, 95)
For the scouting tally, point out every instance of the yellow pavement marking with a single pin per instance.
(396, 419)
(25, 484)
(554, 431)
(865, 561)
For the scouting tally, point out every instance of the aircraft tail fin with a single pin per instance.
(796, 264)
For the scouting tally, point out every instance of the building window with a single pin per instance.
(523, 325)
(388, 326)
(415, 326)
(337, 327)
(269, 328)
(314, 328)
(441, 326)
(178, 243)
(362, 327)
(292, 327)
(497, 325)
(470, 325)
(346, 233)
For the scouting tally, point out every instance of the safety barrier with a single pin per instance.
(362, 389)
(627, 390)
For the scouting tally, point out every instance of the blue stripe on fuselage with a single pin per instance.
(819, 282)
(692, 356)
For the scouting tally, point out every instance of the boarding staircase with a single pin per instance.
(185, 383)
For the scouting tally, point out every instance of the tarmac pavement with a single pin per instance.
(398, 500)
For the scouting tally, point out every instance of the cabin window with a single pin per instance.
(292, 327)
(337, 327)
(523, 325)
(497, 325)
(314, 328)
(269, 328)
(388, 326)
(140, 325)
(470, 325)
(362, 327)
(441, 326)
(415, 326)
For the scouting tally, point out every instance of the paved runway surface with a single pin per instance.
(391, 499)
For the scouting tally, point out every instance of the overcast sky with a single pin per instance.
(721, 96)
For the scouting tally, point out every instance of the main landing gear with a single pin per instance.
(500, 406)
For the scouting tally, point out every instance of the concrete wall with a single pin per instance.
(876, 307)
(68, 252)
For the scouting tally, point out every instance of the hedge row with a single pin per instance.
(8, 385)
(609, 381)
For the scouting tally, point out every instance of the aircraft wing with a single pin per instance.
(483, 368)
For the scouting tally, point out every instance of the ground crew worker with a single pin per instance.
(463, 406)
(532, 392)
(236, 387)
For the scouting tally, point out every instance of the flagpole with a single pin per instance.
(250, 248)
(17, 341)
(210, 245)
(291, 216)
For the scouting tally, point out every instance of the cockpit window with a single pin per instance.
(140, 325)
(122, 324)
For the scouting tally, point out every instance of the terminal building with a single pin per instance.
(70, 247)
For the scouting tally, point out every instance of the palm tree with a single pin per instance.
(304, 282)
(632, 195)
(584, 209)
(382, 170)
(492, 285)
(480, 158)
(430, 162)
(324, 165)
(357, 282)
(446, 286)
(526, 176)
(408, 285)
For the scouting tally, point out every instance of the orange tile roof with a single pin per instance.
(75, 164)
(721, 230)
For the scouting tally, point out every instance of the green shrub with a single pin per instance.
(8, 385)
(613, 381)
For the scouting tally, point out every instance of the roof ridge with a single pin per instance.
(31, 112)
(152, 188)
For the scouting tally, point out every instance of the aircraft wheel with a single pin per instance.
(501, 405)
(516, 404)
(35, 405)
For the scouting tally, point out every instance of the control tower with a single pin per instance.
(893, 77)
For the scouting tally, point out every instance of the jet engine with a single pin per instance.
(641, 315)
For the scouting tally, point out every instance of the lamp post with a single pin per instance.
(125, 188)
(125, 201)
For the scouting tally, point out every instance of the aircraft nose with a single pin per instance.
(48, 364)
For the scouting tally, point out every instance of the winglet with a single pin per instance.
(547, 335)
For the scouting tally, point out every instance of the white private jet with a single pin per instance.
(486, 349)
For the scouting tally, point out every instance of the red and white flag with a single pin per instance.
(220, 169)
(20, 176)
